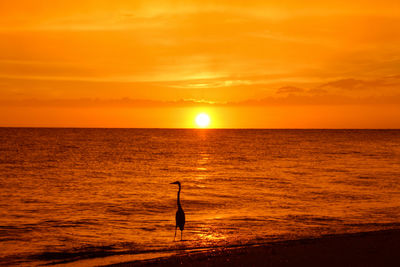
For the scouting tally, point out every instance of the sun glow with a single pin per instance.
(202, 120)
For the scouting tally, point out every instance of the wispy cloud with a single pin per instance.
(289, 89)
(290, 100)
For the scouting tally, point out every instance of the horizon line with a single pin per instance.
(186, 128)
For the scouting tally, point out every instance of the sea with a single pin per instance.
(89, 197)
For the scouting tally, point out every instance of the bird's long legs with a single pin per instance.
(175, 232)
(181, 235)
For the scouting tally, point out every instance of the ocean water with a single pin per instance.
(68, 195)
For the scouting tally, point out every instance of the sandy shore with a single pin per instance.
(379, 248)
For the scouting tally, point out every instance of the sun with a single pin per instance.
(202, 120)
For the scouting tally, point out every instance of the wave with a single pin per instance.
(393, 225)
(92, 252)
(103, 251)
(311, 218)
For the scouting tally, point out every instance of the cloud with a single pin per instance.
(323, 100)
(106, 103)
(354, 84)
(290, 100)
(289, 89)
(317, 91)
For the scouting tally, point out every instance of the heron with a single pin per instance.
(180, 214)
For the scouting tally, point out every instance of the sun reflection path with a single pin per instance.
(202, 165)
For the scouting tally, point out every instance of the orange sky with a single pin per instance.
(249, 64)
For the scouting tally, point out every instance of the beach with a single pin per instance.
(377, 248)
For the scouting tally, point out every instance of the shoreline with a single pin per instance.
(375, 248)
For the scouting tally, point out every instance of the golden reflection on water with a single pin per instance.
(202, 165)
(203, 160)
(208, 235)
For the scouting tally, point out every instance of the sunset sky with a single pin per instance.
(248, 64)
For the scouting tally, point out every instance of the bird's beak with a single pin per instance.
(174, 183)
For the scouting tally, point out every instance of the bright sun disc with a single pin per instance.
(202, 120)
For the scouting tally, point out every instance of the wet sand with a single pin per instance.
(379, 248)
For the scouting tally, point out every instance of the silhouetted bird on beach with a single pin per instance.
(180, 215)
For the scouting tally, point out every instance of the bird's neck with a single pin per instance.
(179, 198)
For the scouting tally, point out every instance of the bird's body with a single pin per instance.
(180, 218)
(180, 214)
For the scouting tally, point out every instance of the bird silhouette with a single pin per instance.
(180, 214)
